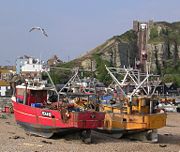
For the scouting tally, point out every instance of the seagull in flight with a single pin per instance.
(40, 29)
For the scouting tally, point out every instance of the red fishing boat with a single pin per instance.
(37, 115)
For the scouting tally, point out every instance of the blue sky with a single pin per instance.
(74, 27)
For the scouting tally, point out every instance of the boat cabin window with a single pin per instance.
(37, 96)
(20, 92)
(38, 93)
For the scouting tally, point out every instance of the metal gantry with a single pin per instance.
(145, 81)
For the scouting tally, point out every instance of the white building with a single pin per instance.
(28, 64)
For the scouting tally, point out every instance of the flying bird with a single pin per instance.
(40, 29)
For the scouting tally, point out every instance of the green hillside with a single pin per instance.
(164, 33)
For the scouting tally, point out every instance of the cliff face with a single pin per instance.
(118, 51)
(161, 53)
(163, 48)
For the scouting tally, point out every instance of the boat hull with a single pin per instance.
(45, 122)
(117, 124)
(44, 131)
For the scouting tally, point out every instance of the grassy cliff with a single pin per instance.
(164, 33)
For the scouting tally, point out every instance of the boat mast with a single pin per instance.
(52, 83)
